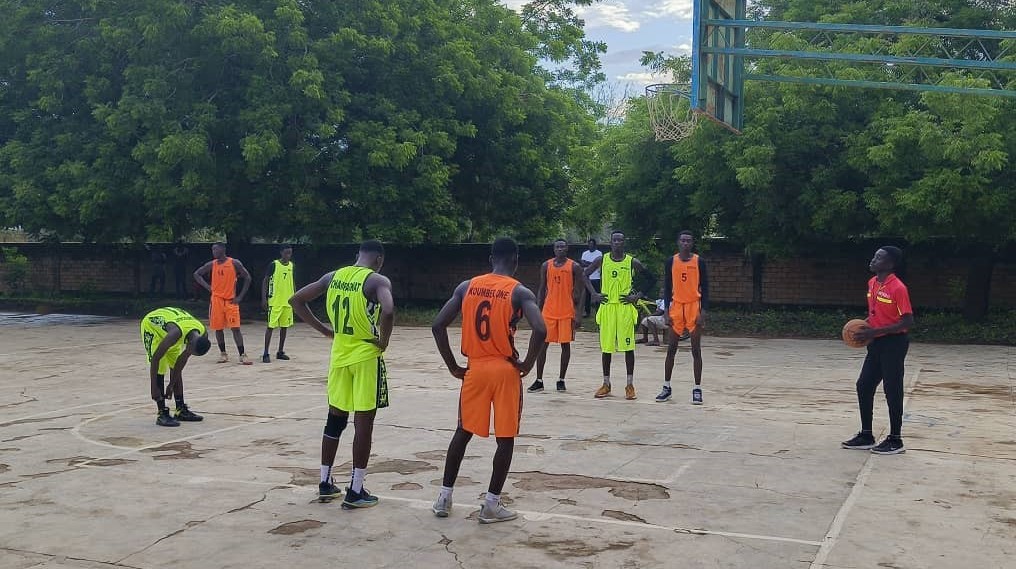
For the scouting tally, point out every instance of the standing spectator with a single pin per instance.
(180, 253)
(588, 256)
(158, 280)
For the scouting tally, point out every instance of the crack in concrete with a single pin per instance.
(55, 556)
(192, 524)
(447, 543)
(36, 420)
(961, 454)
(247, 507)
(29, 397)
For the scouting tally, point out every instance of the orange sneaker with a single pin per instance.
(629, 392)
(223, 358)
(602, 392)
(244, 360)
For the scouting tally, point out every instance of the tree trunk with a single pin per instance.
(978, 291)
(758, 261)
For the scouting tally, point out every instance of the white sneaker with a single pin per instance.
(442, 507)
(498, 513)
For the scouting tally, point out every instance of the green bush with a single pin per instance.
(15, 269)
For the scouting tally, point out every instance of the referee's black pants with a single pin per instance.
(883, 364)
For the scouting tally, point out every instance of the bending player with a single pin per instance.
(490, 306)
(171, 336)
(562, 284)
(617, 314)
(362, 312)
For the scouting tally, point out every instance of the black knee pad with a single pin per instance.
(335, 425)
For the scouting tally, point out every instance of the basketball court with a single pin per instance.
(753, 478)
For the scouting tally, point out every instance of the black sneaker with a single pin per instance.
(536, 387)
(891, 445)
(560, 385)
(266, 359)
(861, 441)
(166, 420)
(327, 491)
(355, 500)
(183, 413)
(664, 395)
(281, 356)
(696, 396)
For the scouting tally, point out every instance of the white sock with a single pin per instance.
(606, 380)
(446, 492)
(631, 379)
(492, 499)
(326, 472)
(699, 387)
(358, 475)
(666, 384)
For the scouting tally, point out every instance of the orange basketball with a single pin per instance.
(850, 328)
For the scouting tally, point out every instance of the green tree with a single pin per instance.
(406, 120)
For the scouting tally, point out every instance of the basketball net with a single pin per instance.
(670, 111)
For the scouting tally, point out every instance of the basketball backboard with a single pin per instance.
(717, 80)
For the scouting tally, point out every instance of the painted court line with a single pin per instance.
(142, 398)
(76, 431)
(528, 515)
(199, 435)
(539, 516)
(833, 535)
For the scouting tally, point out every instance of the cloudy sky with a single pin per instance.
(630, 27)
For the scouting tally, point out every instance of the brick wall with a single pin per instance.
(430, 273)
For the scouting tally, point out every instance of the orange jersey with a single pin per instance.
(559, 302)
(685, 278)
(224, 279)
(488, 319)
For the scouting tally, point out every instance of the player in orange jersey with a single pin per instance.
(686, 296)
(490, 306)
(562, 287)
(224, 307)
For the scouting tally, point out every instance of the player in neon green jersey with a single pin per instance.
(171, 336)
(617, 314)
(361, 313)
(276, 288)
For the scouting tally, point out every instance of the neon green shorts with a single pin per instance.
(280, 316)
(148, 334)
(362, 386)
(617, 327)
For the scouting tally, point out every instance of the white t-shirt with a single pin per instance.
(590, 256)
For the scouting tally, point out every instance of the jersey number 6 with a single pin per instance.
(483, 320)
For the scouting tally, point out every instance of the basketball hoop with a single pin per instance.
(670, 111)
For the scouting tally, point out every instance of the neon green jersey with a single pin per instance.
(617, 279)
(280, 284)
(153, 327)
(354, 318)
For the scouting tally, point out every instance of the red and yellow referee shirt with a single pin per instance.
(887, 302)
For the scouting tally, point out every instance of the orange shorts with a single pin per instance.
(560, 330)
(683, 316)
(491, 382)
(223, 313)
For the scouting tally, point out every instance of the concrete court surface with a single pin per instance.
(754, 478)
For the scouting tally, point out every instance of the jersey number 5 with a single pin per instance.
(483, 320)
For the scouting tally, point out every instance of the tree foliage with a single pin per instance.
(409, 120)
(816, 165)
